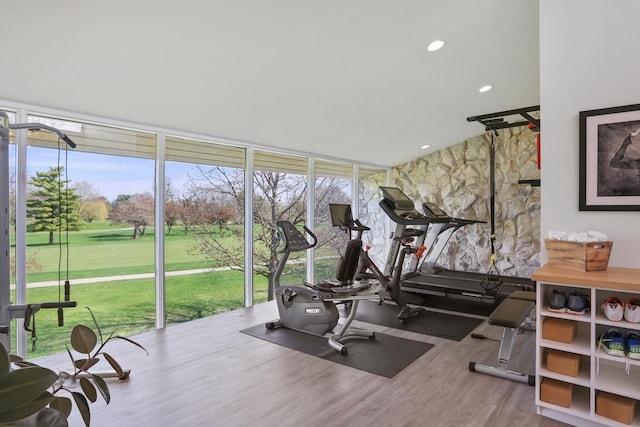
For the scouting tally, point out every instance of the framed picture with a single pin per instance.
(610, 159)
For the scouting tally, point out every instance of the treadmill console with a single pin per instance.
(432, 210)
(397, 199)
(400, 208)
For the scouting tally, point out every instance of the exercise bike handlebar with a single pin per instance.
(312, 235)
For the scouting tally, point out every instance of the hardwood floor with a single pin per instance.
(207, 373)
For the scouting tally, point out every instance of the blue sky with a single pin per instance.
(110, 175)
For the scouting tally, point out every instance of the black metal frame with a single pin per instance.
(495, 121)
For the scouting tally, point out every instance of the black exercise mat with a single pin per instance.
(385, 355)
(459, 304)
(443, 325)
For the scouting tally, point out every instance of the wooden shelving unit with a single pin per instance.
(599, 372)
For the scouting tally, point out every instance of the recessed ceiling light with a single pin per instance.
(435, 45)
(425, 146)
(486, 88)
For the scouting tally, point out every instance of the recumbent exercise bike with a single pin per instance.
(312, 307)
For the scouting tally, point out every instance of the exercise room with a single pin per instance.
(354, 213)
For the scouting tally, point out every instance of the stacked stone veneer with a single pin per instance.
(457, 179)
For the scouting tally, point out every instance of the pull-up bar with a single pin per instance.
(495, 121)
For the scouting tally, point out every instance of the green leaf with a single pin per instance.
(62, 404)
(83, 339)
(24, 385)
(132, 342)
(115, 365)
(86, 363)
(83, 407)
(70, 355)
(95, 322)
(103, 388)
(24, 409)
(51, 418)
(88, 389)
(5, 363)
(23, 363)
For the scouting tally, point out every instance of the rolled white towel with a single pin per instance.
(578, 237)
(558, 235)
(597, 236)
(589, 236)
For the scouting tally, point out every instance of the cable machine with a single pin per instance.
(492, 122)
(10, 311)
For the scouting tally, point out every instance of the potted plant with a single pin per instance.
(34, 395)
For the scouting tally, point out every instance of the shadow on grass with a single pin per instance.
(42, 245)
(179, 313)
(112, 236)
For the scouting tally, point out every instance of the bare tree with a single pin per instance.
(136, 210)
(217, 198)
(87, 191)
(172, 205)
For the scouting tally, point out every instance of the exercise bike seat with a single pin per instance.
(337, 287)
(352, 288)
(325, 285)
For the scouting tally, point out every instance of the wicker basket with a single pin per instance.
(581, 256)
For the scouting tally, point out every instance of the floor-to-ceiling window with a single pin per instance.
(102, 236)
(11, 174)
(279, 192)
(203, 227)
(90, 221)
(333, 184)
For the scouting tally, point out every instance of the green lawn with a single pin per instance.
(103, 250)
(127, 307)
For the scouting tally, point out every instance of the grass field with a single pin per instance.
(127, 307)
(101, 250)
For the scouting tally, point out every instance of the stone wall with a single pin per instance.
(457, 179)
(370, 214)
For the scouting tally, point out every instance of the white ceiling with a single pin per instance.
(346, 79)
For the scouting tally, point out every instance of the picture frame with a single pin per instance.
(610, 159)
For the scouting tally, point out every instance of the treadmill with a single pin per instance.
(432, 229)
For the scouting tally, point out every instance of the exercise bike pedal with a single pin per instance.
(273, 324)
(408, 313)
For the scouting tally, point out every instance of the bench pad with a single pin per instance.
(511, 312)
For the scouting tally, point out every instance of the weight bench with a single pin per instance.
(509, 314)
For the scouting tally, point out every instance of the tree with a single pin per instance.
(217, 198)
(172, 207)
(136, 210)
(93, 210)
(86, 191)
(172, 214)
(53, 205)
